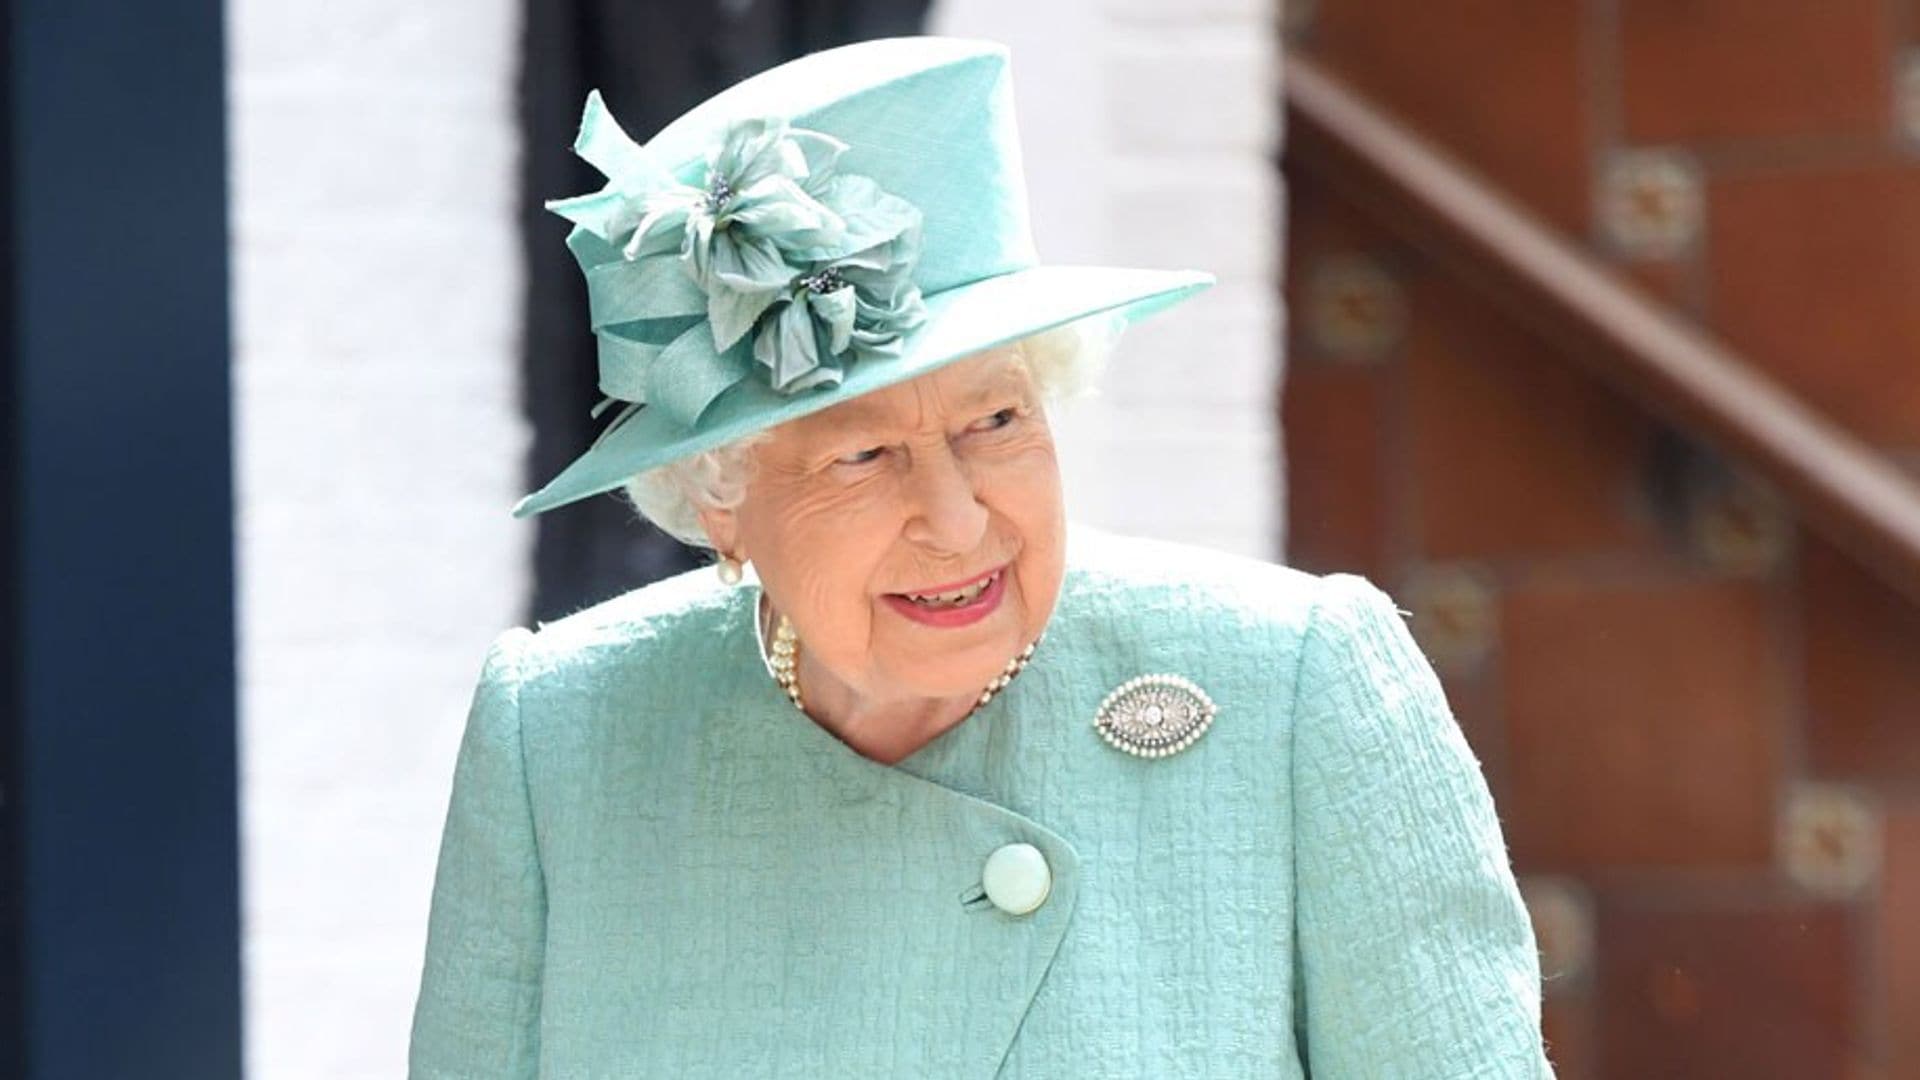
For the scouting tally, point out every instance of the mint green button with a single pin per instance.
(1017, 878)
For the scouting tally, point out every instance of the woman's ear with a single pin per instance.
(723, 531)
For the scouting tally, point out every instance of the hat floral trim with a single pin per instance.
(767, 255)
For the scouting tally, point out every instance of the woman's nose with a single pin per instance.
(947, 513)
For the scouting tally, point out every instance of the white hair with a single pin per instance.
(1064, 362)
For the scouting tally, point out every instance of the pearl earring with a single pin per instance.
(730, 570)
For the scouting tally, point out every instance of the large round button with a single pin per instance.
(1017, 878)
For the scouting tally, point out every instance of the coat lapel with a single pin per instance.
(793, 908)
(952, 975)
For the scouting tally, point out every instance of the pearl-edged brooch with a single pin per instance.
(1154, 715)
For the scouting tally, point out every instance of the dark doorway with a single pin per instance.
(122, 950)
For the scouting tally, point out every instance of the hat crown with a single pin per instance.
(928, 119)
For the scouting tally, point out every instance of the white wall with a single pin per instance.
(379, 443)
(1150, 129)
(376, 283)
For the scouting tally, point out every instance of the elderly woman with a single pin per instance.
(944, 788)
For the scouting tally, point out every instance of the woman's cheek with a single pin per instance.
(1032, 471)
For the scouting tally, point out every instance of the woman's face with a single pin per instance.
(857, 517)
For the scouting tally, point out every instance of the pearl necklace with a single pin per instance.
(785, 663)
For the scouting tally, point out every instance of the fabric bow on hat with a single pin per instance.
(766, 242)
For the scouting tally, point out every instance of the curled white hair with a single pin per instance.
(1064, 362)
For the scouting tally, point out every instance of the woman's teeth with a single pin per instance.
(956, 598)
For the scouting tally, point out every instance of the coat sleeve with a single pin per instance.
(1414, 953)
(478, 1011)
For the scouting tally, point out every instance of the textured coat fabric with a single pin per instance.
(654, 866)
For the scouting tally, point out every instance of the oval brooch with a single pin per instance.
(1154, 715)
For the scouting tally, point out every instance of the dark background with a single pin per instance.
(122, 951)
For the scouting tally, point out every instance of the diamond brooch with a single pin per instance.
(1154, 715)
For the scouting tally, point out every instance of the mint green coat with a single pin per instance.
(654, 866)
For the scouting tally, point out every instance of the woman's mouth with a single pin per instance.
(957, 604)
(965, 594)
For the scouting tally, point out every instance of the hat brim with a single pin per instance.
(961, 322)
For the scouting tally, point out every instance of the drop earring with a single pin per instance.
(730, 570)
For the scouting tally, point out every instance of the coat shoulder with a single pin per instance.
(1156, 604)
(674, 621)
(1150, 581)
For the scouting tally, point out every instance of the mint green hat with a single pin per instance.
(838, 224)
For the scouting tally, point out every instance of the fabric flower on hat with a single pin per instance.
(858, 305)
(813, 264)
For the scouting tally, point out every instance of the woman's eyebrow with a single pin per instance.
(857, 417)
(862, 418)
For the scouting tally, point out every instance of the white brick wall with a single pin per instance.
(1150, 129)
(376, 289)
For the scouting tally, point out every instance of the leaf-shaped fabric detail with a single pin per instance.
(746, 278)
(783, 212)
(834, 311)
(751, 151)
(822, 153)
(604, 144)
(871, 216)
(665, 218)
(786, 346)
(606, 214)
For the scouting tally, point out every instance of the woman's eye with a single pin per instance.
(860, 457)
(997, 420)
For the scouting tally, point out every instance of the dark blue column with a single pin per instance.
(120, 800)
